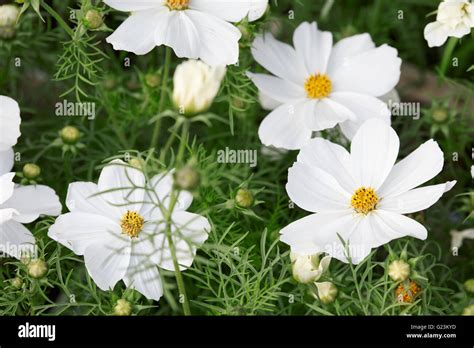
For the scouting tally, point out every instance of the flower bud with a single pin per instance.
(327, 292)
(469, 285)
(17, 283)
(8, 15)
(399, 270)
(70, 135)
(123, 308)
(152, 80)
(187, 178)
(31, 171)
(308, 268)
(244, 198)
(440, 115)
(93, 19)
(37, 268)
(135, 162)
(407, 292)
(196, 84)
(469, 310)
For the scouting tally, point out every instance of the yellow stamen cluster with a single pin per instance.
(364, 200)
(318, 86)
(132, 223)
(407, 292)
(177, 4)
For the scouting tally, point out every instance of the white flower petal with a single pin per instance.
(388, 226)
(277, 57)
(267, 102)
(347, 48)
(6, 161)
(417, 168)
(232, 10)
(219, 43)
(134, 5)
(180, 34)
(107, 263)
(142, 274)
(330, 157)
(276, 88)
(373, 72)
(414, 200)
(325, 114)
(374, 151)
(364, 107)
(15, 239)
(319, 233)
(84, 197)
(6, 187)
(137, 33)
(33, 201)
(7, 214)
(77, 231)
(457, 238)
(122, 185)
(436, 34)
(193, 232)
(285, 127)
(10, 122)
(314, 190)
(313, 46)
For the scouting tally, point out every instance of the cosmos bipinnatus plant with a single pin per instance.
(191, 157)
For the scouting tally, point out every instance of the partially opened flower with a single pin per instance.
(193, 28)
(455, 18)
(309, 268)
(119, 227)
(18, 204)
(195, 85)
(360, 197)
(458, 237)
(318, 86)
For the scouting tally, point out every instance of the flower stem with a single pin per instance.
(58, 18)
(447, 55)
(166, 71)
(183, 142)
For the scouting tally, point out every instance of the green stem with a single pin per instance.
(183, 142)
(359, 293)
(448, 54)
(58, 18)
(168, 145)
(177, 271)
(164, 82)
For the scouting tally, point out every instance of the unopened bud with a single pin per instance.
(187, 178)
(327, 292)
(93, 19)
(123, 308)
(244, 198)
(70, 135)
(31, 171)
(399, 270)
(37, 268)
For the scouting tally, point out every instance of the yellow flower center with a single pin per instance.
(132, 223)
(364, 200)
(318, 86)
(177, 4)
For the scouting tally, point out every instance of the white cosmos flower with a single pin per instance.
(192, 28)
(318, 85)
(458, 237)
(18, 204)
(195, 85)
(455, 18)
(361, 196)
(119, 228)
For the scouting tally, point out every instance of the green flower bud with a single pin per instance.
(70, 135)
(135, 162)
(31, 171)
(187, 178)
(152, 80)
(17, 283)
(37, 269)
(93, 19)
(8, 15)
(469, 310)
(244, 198)
(123, 308)
(440, 115)
(398, 270)
(469, 285)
